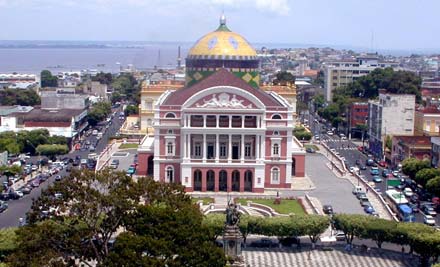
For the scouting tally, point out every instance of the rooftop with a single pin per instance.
(43, 115)
(414, 140)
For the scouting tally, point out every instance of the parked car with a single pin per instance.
(310, 150)
(58, 178)
(374, 171)
(429, 220)
(369, 209)
(329, 133)
(3, 206)
(327, 209)
(364, 203)
(131, 170)
(362, 167)
(36, 182)
(428, 209)
(26, 190)
(4, 196)
(369, 162)
(382, 163)
(377, 179)
(340, 236)
(408, 192)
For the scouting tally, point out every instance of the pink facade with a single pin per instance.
(223, 135)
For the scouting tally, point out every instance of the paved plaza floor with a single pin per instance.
(261, 257)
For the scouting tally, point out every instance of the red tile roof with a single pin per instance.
(414, 140)
(430, 110)
(219, 78)
(46, 124)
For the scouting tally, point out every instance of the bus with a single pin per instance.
(399, 205)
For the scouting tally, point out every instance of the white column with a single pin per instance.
(242, 121)
(242, 148)
(204, 121)
(217, 121)
(230, 121)
(230, 147)
(188, 145)
(257, 147)
(204, 147)
(185, 147)
(217, 147)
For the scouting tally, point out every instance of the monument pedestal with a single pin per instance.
(232, 242)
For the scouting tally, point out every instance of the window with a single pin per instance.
(170, 131)
(275, 175)
(247, 150)
(170, 174)
(198, 150)
(276, 150)
(276, 117)
(276, 133)
(170, 149)
(223, 150)
(170, 115)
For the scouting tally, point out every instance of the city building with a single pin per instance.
(63, 98)
(427, 121)
(221, 132)
(341, 73)
(357, 118)
(435, 151)
(391, 115)
(430, 88)
(66, 122)
(18, 81)
(404, 147)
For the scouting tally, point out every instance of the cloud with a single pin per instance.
(280, 7)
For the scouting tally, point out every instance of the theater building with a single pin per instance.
(221, 132)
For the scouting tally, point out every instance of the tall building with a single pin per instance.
(392, 114)
(341, 73)
(427, 121)
(221, 132)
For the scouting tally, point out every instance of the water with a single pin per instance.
(33, 60)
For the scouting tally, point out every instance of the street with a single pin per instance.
(18, 208)
(349, 150)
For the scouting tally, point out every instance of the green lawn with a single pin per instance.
(287, 205)
(127, 146)
(206, 200)
(311, 146)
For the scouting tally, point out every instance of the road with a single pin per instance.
(349, 150)
(18, 208)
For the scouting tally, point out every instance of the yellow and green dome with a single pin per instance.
(222, 44)
(219, 49)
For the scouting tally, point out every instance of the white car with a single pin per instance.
(429, 220)
(343, 137)
(408, 192)
(330, 133)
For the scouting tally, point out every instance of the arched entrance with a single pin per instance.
(197, 180)
(248, 181)
(150, 166)
(223, 181)
(210, 180)
(293, 166)
(235, 180)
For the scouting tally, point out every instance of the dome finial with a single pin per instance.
(223, 19)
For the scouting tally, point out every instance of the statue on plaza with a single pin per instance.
(232, 215)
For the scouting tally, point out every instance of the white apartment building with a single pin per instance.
(341, 73)
(392, 114)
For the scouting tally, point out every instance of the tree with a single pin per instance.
(74, 222)
(103, 78)
(312, 225)
(411, 166)
(131, 110)
(48, 80)
(10, 171)
(427, 245)
(99, 112)
(388, 142)
(318, 101)
(11, 97)
(433, 186)
(7, 242)
(52, 150)
(379, 230)
(215, 222)
(284, 78)
(351, 224)
(424, 175)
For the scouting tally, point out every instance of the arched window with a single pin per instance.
(276, 149)
(170, 115)
(275, 175)
(276, 117)
(170, 174)
(276, 133)
(170, 148)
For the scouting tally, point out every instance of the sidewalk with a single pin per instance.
(302, 183)
(23, 182)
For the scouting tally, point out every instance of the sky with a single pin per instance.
(373, 24)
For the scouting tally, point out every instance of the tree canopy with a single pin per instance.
(112, 220)
(28, 141)
(411, 166)
(12, 97)
(48, 80)
(98, 112)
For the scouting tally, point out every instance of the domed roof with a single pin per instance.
(222, 44)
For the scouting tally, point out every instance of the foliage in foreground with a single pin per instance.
(109, 219)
